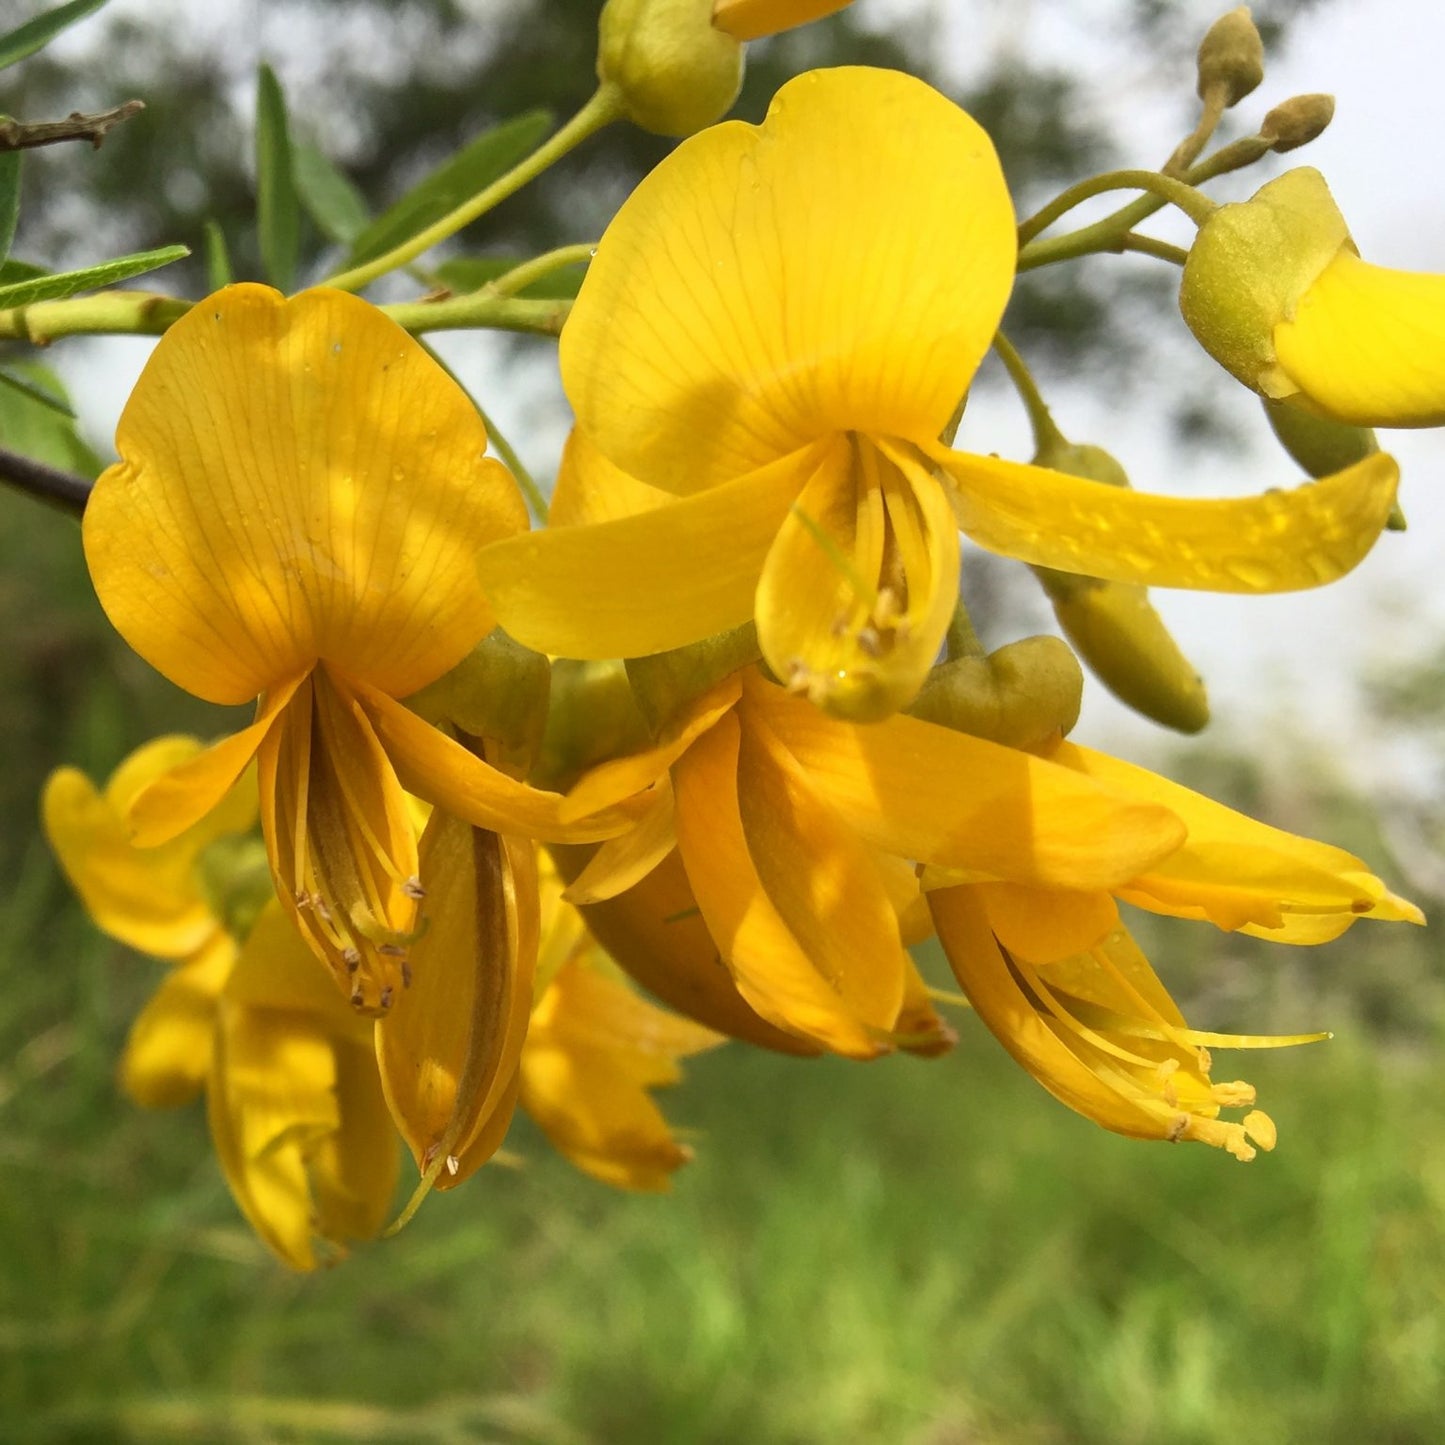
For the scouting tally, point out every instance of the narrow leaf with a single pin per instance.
(333, 203)
(9, 199)
(218, 258)
(277, 215)
(470, 273)
(92, 278)
(36, 393)
(28, 38)
(471, 170)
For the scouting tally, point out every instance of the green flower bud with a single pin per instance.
(1022, 695)
(1323, 446)
(1231, 57)
(666, 682)
(676, 72)
(593, 717)
(1250, 265)
(235, 876)
(498, 691)
(1297, 121)
(1113, 626)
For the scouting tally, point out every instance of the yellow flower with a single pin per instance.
(300, 496)
(1276, 292)
(158, 901)
(295, 1103)
(594, 1050)
(778, 326)
(1056, 977)
(1098, 1030)
(753, 19)
(799, 834)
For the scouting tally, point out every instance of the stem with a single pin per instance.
(536, 502)
(502, 313)
(520, 277)
(1187, 151)
(66, 490)
(1152, 246)
(1162, 190)
(961, 640)
(130, 313)
(604, 107)
(1046, 432)
(1103, 235)
(18, 135)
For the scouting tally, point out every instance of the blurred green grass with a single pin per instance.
(930, 1253)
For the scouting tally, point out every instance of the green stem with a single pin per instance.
(496, 313)
(130, 313)
(1162, 190)
(1187, 151)
(1103, 235)
(1152, 246)
(520, 277)
(604, 107)
(1046, 434)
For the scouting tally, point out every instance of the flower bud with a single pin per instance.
(1297, 121)
(498, 691)
(1322, 445)
(676, 72)
(666, 682)
(1021, 696)
(1250, 265)
(1112, 625)
(1231, 57)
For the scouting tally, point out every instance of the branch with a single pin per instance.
(66, 490)
(18, 135)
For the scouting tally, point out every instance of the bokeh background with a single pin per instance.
(924, 1252)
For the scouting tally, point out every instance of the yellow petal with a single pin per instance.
(1236, 871)
(941, 797)
(640, 584)
(355, 1168)
(148, 898)
(622, 861)
(449, 1047)
(443, 772)
(772, 968)
(656, 934)
(196, 786)
(842, 267)
(858, 589)
(752, 19)
(340, 838)
(590, 489)
(593, 1051)
(820, 878)
(1044, 924)
(298, 479)
(1366, 345)
(1276, 541)
(270, 1099)
(168, 1051)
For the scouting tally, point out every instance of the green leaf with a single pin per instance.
(218, 258)
(278, 217)
(471, 170)
(35, 421)
(12, 271)
(34, 34)
(9, 199)
(470, 273)
(333, 203)
(92, 278)
(36, 393)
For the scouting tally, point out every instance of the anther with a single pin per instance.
(392, 950)
(351, 958)
(405, 974)
(385, 1000)
(453, 1165)
(413, 889)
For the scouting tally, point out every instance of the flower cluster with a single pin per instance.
(728, 692)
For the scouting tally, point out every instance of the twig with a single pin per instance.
(66, 490)
(19, 135)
